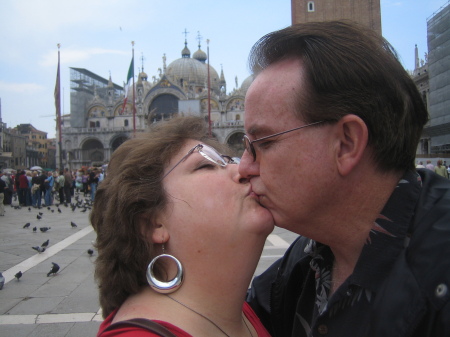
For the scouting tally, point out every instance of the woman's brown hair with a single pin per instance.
(133, 188)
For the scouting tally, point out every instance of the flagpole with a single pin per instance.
(134, 100)
(58, 109)
(209, 92)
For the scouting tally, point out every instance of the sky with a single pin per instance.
(97, 34)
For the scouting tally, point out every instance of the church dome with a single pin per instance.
(246, 84)
(200, 55)
(185, 53)
(187, 70)
(192, 71)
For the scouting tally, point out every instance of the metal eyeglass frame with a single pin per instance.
(248, 144)
(212, 155)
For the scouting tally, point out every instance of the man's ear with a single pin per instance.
(352, 136)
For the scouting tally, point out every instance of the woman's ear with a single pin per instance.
(153, 231)
(352, 138)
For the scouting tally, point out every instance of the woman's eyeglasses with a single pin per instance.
(209, 153)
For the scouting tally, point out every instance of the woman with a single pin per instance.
(162, 195)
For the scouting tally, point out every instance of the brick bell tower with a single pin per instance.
(366, 12)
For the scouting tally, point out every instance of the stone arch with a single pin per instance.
(156, 92)
(162, 107)
(92, 150)
(67, 145)
(234, 141)
(204, 105)
(117, 141)
(97, 110)
(235, 103)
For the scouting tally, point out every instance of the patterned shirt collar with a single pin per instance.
(385, 242)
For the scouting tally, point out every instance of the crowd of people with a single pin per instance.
(42, 188)
(440, 168)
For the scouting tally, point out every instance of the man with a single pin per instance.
(430, 166)
(332, 125)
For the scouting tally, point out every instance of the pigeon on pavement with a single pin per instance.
(90, 252)
(54, 269)
(73, 224)
(38, 217)
(34, 229)
(39, 249)
(2, 281)
(44, 229)
(45, 244)
(18, 275)
(26, 225)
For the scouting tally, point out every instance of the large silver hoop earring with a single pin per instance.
(165, 287)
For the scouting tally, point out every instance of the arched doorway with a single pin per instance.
(163, 107)
(236, 144)
(92, 152)
(117, 142)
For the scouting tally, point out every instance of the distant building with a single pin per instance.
(366, 12)
(436, 136)
(16, 145)
(99, 121)
(36, 146)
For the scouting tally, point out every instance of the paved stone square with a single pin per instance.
(65, 304)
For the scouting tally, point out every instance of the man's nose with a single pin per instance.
(247, 167)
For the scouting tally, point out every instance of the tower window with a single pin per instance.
(125, 122)
(310, 6)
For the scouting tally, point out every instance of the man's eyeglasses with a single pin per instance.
(209, 153)
(248, 144)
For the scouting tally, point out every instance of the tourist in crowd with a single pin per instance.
(28, 198)
(59, 186)
(2, 195)
(68, 186)
(6, 177)
(36, 194)
(441, 169)
(179, 235)
(93, 182)
(48, 185)
(23, 187)
(84, 181)
(42, 178)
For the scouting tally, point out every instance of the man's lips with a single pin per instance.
(256, 196)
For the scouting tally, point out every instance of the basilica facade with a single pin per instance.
(99, 121)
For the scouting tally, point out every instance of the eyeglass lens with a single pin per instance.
(212, 155)
(249, 147)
